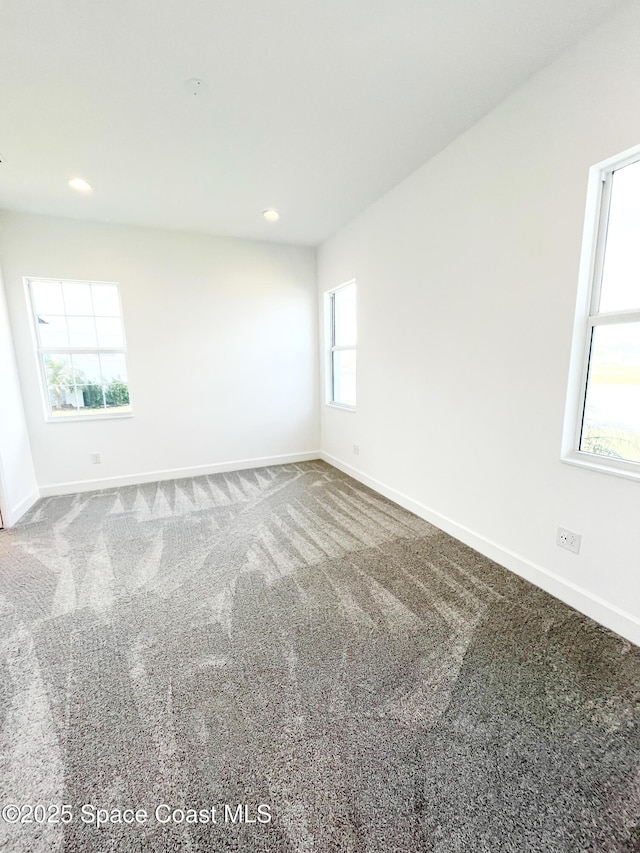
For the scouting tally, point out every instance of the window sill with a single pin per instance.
(628, 470)
(341, 407)
(72, 419)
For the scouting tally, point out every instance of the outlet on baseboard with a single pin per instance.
(356, 449)
(96, 459)
(569, 540)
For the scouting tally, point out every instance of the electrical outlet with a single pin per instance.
(356, 449)
(95, 459)
(567, 539)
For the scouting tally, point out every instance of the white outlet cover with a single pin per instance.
(568, 540)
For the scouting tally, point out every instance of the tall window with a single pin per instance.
(81, 348)
(342, 346)
(607, 428)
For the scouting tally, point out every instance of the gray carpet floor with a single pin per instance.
(287, 641)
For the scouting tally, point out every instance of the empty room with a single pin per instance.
(320, 426)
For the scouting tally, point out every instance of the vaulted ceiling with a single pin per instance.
(313, 107)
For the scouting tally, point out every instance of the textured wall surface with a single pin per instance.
(18, 488)
(467, 277)
(222, 347)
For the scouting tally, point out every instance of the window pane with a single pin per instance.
(52, 331)
(47, 297)
(117, 395)
(91, 396)
(109, 332)
(66, 402)
(77, 298)
(113, 367)
(64, 397)
(82, 332)
(621, 271)
(105, 300)
(344, 377)
(81, 378)
(58, 376)
(57, 368)
(611, 425)
(345, 316)
(86, 368)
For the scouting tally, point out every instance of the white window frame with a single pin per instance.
(40, 352)
(588, 316)
(331, 347)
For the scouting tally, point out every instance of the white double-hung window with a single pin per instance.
(79, 336)
(341, 367)
(602, 428)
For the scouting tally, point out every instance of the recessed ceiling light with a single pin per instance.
(80, 185)
(271, 215)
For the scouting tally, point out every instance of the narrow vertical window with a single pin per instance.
(342, 350)
(607, 428)
(81, 348)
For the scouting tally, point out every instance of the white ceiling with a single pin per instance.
(315, 107)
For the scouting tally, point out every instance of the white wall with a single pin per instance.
(18, 487)
(222, 350)
(467, 276)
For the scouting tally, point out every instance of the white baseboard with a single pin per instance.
(12, 515)
(173, 474)
(603, 612)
